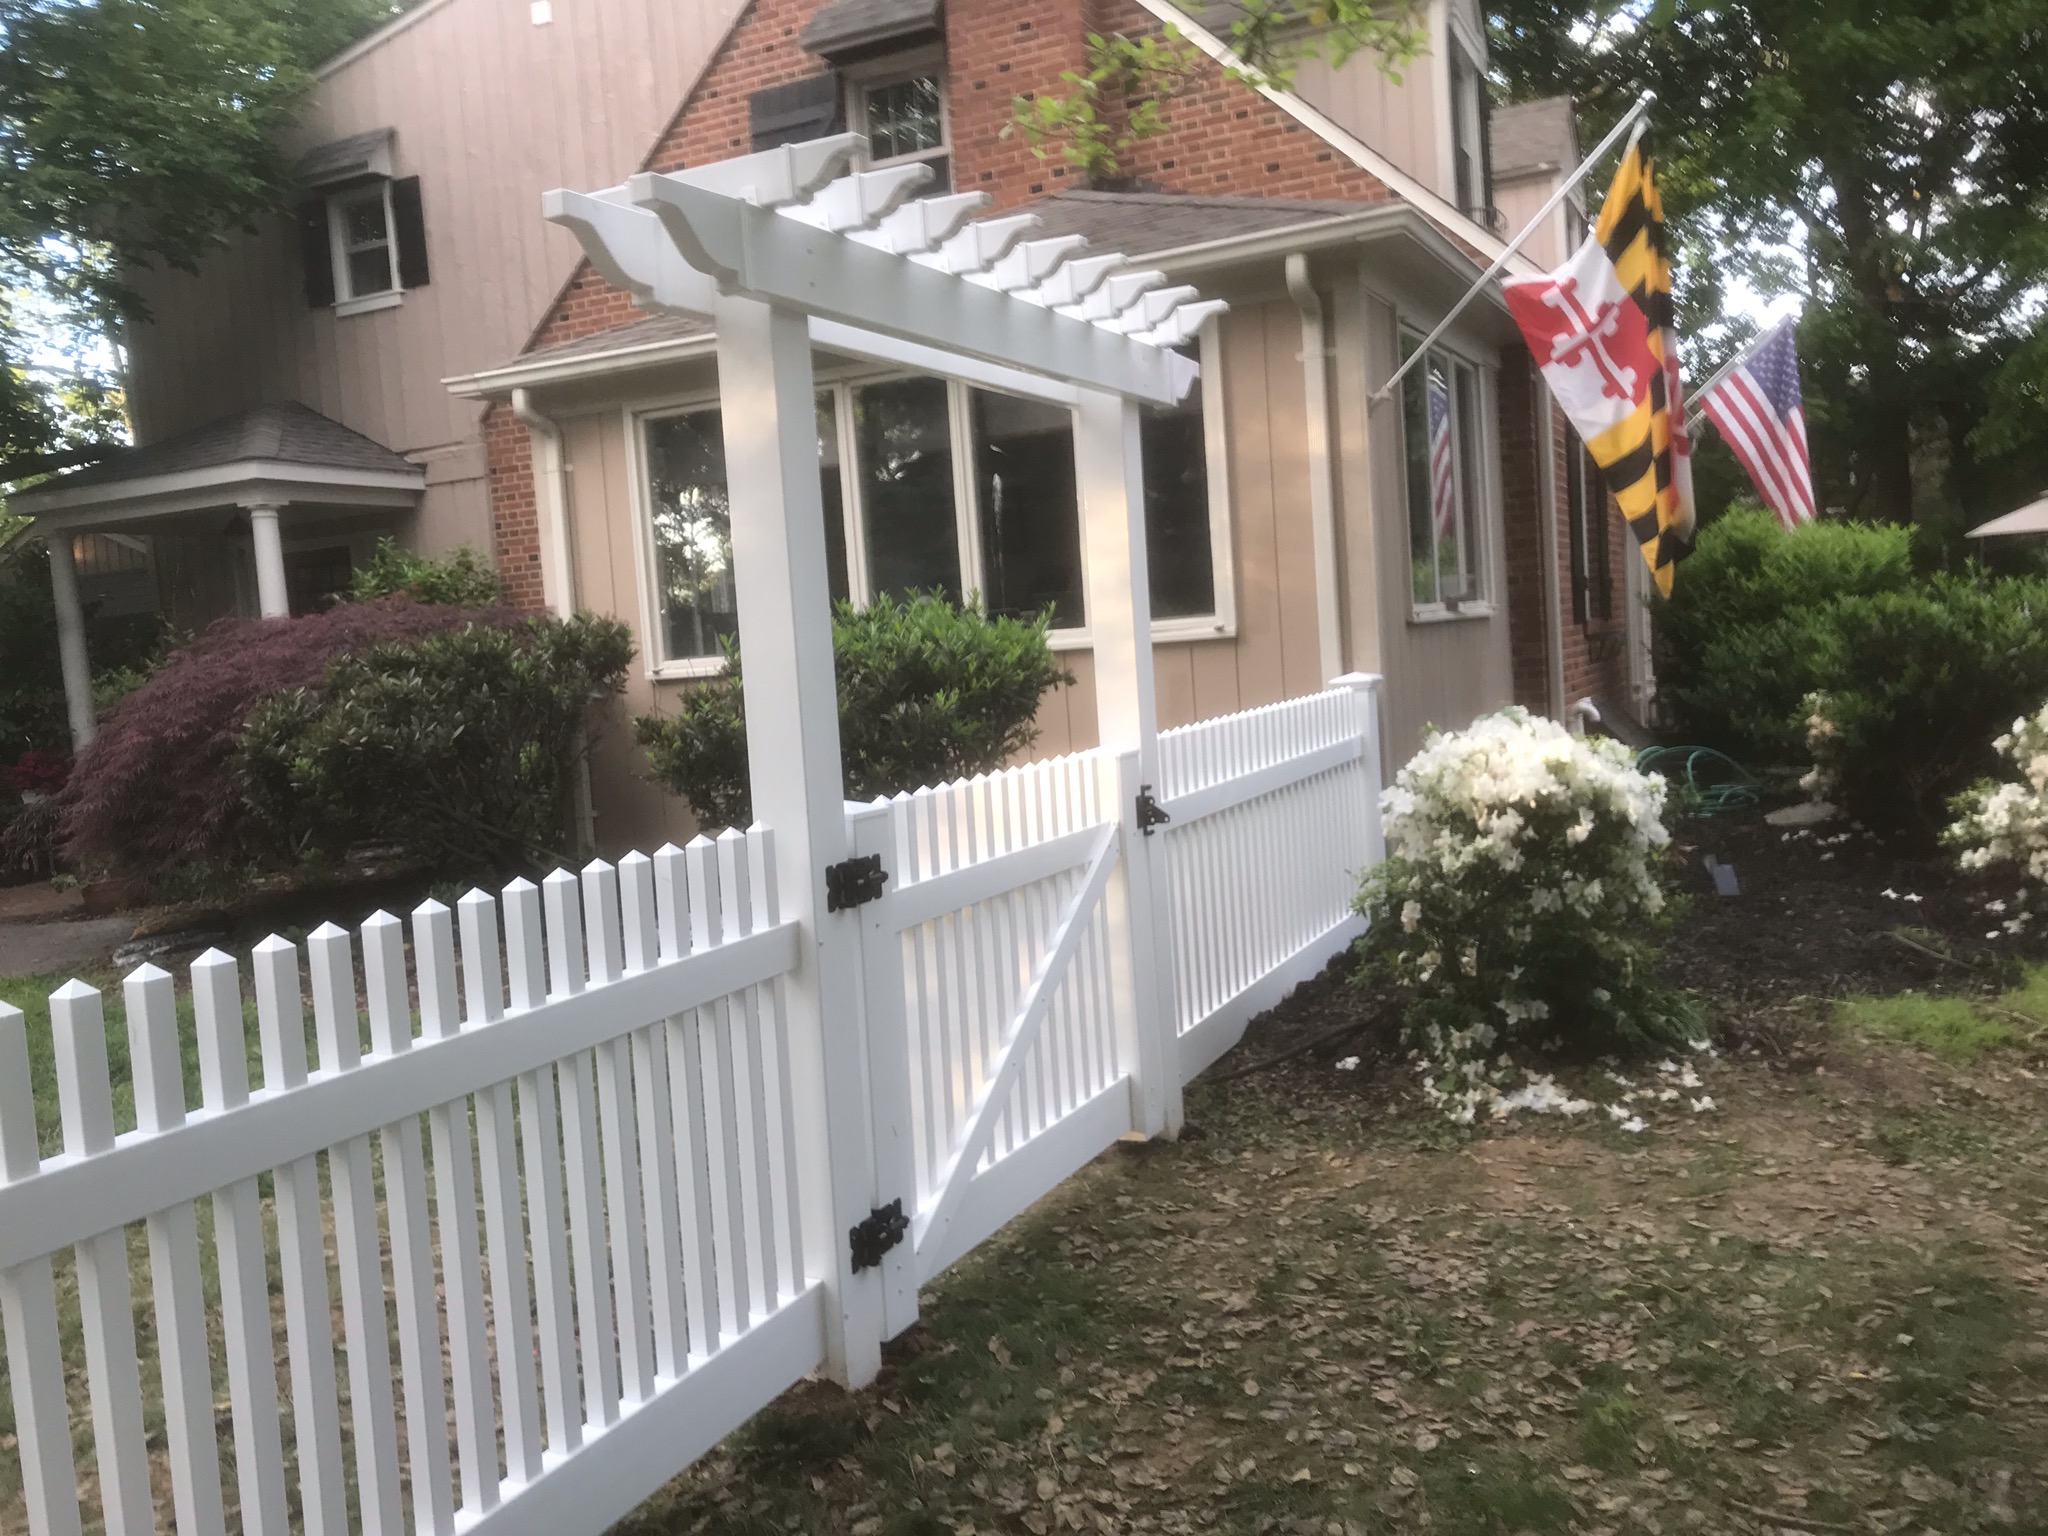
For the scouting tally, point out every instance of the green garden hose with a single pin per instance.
(1732, 787)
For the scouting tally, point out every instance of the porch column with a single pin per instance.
(1109, 464)
(273, 601)
(768, 402)
(71, 655)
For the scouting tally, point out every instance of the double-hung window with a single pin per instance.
(1443, 423)
(365, 256)
(903, 115)
(1586, 506)
(929, 485)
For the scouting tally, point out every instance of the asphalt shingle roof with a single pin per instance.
(1533, 136)
(289, 433)
(848, 24)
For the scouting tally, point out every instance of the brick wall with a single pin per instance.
(1595, 655)
(1223, 140)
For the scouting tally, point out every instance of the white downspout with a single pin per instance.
(1322, 493)
(1553, 595)
(551, 501)
(557, 567)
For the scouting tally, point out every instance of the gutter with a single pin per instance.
(1322, 498)
(551, 500)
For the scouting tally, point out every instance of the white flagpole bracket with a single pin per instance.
(1629, 121)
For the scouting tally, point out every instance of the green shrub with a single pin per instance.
(929, 691)
(1915, 687)
(464, 579)
(1521, 903)
(458, 747)
(1743, 637)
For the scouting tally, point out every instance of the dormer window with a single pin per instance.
(362, 232)
(900, 105)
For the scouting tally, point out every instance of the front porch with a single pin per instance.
(266, 512)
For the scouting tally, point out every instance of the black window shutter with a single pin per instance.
(319, 253)
(409, 228)
(791, 113)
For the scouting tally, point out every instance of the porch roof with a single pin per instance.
(1176, 232)
(271, 455)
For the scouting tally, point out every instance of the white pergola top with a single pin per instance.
(878, 271)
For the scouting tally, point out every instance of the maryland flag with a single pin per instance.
(1601, 329)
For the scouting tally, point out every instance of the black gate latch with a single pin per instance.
(1149, 813)
(853, 881)
(885, 1227)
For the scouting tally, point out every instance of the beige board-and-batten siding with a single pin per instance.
(1444, 671)
(488, 110)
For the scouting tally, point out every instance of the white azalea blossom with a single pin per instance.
(2005, 826)
(1519, 906)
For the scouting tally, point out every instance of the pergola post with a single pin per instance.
(273, 599)
(767, 398)
(1109, 464)
(72, 660)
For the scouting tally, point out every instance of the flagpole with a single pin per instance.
(1697, 413)
(1630, 120)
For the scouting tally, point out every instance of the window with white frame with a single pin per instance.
(1443, 428)
(930, 485)
(1470, 175)
(365, 254)
(902, 111)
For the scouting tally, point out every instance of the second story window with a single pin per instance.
(362, 231)
(903, 114)
(1471, 178)
(365, 261)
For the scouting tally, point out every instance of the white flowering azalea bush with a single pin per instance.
(2002, 828)
(1521, 907)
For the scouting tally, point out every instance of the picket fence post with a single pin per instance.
(1366, 688)
(792, 721)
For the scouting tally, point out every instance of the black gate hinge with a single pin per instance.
(1149, 813)
(885, 1227)
(854, 881)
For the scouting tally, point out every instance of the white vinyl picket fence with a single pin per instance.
(533, 1214)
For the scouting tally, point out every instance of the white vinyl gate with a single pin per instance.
(539, 1213)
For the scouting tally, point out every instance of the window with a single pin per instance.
(1445, 438)
(364, 262)
(929, 486)
(904, 118)
(1592, 553)
(695, 605)
(364, 245)
(1471, 175)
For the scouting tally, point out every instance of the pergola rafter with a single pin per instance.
(794, 249)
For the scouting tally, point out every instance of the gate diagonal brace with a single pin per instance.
(884, 1228)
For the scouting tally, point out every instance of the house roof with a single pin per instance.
(283, 452)
(1532, 137)
(279, 434)
(845, 25)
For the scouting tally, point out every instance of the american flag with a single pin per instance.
(1443, 478)
(1757, 408)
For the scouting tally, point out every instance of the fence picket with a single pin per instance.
(105, 1304)
(722, 1154)
(414, 1294)
(28, 1313)
(541, 1148)
(781, 1128)
(462, 1281)
(178, 1292)
(653, 1118)
(583, 1164)
(750, 1097)
(239, 1250)
(504, 1228)
(364, 1323)
(623, 1204)
(302, 1254)
(686, 1089)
